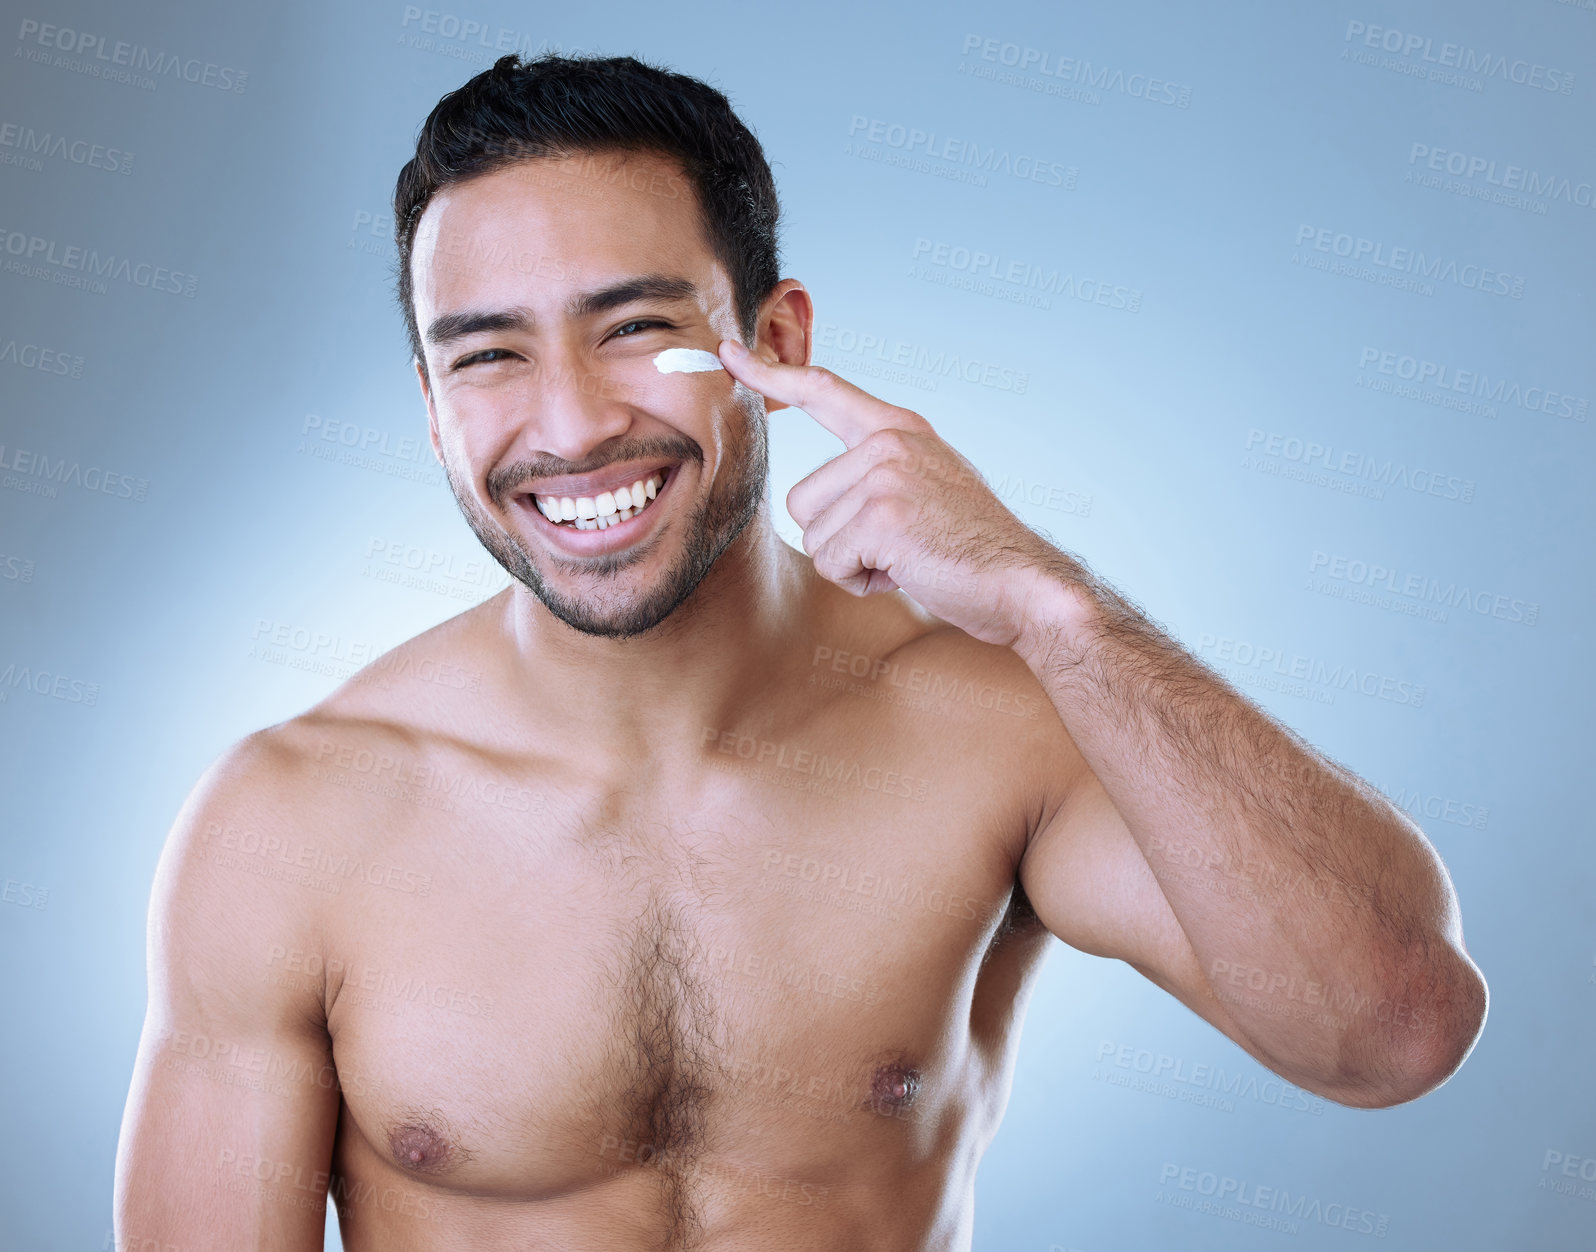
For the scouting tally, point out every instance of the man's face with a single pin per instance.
(543, 292)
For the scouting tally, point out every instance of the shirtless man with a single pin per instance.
(689, 892)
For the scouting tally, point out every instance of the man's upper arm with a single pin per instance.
(227, 1136)
(1091, 886)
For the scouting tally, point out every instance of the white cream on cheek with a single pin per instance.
(686, 361)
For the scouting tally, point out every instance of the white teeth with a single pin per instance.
(605, 510)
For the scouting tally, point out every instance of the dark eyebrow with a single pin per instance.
(452, 326)
(646, 287)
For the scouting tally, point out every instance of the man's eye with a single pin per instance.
(620, 330)
(487, 354)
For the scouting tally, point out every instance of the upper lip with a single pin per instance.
(619, 474)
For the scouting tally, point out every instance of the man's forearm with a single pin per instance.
(1321, 917)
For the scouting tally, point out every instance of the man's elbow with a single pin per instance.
(1423, 1044)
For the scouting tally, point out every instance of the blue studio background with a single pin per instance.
(1279, 315)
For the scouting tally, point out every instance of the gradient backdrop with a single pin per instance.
(1280, 316)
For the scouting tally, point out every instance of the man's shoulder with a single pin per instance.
(275, 807)
(434, 671)
(251, 804)
(975, 706)
(962, 677)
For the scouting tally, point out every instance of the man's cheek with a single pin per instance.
(702, 405)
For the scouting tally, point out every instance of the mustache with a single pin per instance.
(505, 481)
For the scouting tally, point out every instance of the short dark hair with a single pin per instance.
(555, 106)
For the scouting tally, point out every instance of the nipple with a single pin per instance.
(419, 1148)
(894, 1087)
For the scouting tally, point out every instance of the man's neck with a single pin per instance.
(751, 614)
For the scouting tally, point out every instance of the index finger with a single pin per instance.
(851, 413)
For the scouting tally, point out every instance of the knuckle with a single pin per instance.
(821, 380)
(892, 510)
(891, 476)
(886, 444)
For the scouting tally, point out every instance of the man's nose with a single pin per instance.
(571, 407)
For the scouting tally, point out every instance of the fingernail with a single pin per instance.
(733, 347)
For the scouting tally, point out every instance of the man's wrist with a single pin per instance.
(1061, 616)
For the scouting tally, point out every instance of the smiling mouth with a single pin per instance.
(609, 508)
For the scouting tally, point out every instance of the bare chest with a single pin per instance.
(782, 975)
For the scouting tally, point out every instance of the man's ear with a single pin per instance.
(432, 412)
(785, 329)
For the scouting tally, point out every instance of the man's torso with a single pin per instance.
(765, 978)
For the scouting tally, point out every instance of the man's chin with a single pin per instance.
(613, 613)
